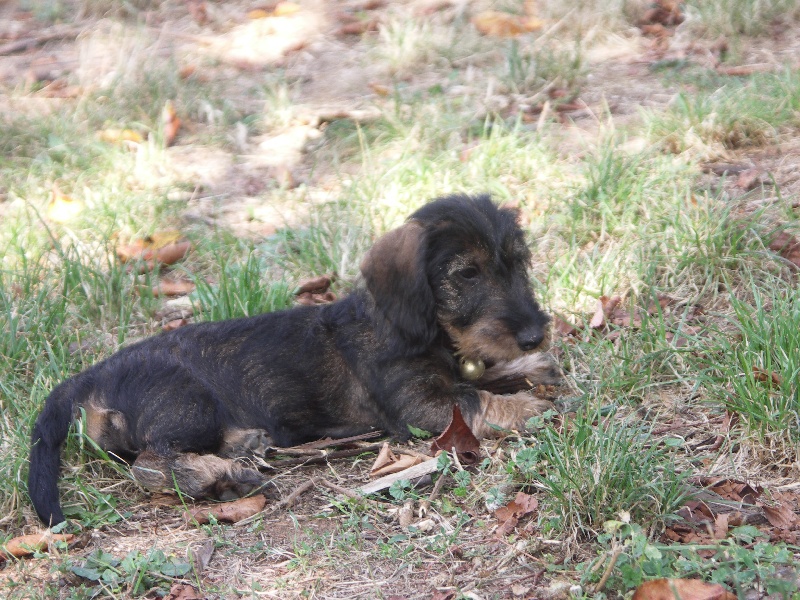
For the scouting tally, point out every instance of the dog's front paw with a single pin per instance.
(507, 413)
(523, 373)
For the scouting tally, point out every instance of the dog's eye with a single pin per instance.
(467, 273)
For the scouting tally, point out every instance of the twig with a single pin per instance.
(415, 472)
(607, 573)
(437, 487)
(32, 42)
(321, 458)
(299, 491)
(340, 490)
(327, 442)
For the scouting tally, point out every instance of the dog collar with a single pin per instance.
(471, 369)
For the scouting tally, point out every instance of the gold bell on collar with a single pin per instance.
(471, 369)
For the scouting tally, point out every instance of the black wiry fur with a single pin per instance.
(185, 404)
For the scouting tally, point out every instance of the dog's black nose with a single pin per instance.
(529, 339)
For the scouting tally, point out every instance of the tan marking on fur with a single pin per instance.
(507, 412)
(393, 253)
(103, 424)
(485, 339)
(539, 368)
(196, 475)
(244, 442)
(490, 341)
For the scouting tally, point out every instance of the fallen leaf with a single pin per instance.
(164, 248)
(309, 299)
(403, 462)
(26, 545)
(664, 12)
(118, 136)
(681, 589)
(749, 179)
(315, 285)
(500, 24)
(184, 591)
(200, 555)
(563, 327)
(169, 122)
(605, 306)
(781, 516)
(173, 287)
(283, 9)
(230, 512)
(510, 514)
(198, 10)
(763, 376)
(458, 435)
(380, 89)
(787, 246)
(721, 526)
(405, 516)
(62, 208)
(174, 324)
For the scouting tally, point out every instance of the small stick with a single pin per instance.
(339, 442)
(340, 490)
(321, 458)
(437, 487)
(298, 491)
(607, 573)
(31, 42)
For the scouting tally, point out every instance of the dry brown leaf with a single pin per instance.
(309, 299)
(605, 307)
(563, 327)
(315, 285)
(174, 324)
(458, 435)
(781, 516)
(170, 122)
(380, 89)
(721, 526)
(500, 24)
(173, 287)
(164, 248)
(118, 136)
(681, 589)
(749, 179)
(63, 208)
(283, 9)
(388, 462)
(763, 376)
(230, 512)
(26, 545)
(198, 10)
(510, 514)
(787, 246)
(184, 591)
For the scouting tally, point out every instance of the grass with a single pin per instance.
(740, 114)
(601, 219)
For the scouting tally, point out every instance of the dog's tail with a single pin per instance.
(49, 432)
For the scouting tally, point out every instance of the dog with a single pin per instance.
(445, 310)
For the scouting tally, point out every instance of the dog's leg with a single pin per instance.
(244, 443)
(525, 372)
(506, 412)
(196, 475)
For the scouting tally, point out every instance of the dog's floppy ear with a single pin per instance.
(394, 271)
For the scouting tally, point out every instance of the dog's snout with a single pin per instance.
(529, 339)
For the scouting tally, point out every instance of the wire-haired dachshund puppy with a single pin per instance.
(446, 294)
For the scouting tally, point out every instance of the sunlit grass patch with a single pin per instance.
(753, 365)
(592, 468)
(739, 17)
(741, 114)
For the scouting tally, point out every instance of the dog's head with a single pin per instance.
(459, 265)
